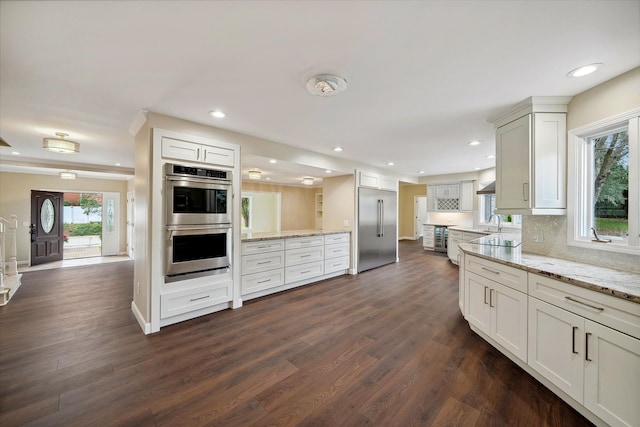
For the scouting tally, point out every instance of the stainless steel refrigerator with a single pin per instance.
(377, 228)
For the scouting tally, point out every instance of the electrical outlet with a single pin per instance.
(25, 223)
(538, 235)
(346, 223)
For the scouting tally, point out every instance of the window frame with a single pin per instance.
(482, 220)
(580, 187)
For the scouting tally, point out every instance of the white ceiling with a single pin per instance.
(423, 76)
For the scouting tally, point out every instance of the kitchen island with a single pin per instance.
(277, 261)
(574, 327)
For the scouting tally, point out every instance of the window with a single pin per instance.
(245, 212)
(604, 207)
(488, 207)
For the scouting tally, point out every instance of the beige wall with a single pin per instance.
(406, 195)
(297, 203)
(338, 200)
(613, 97)
(15, 199)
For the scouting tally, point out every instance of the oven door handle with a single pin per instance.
(209, 227)
(218, 183)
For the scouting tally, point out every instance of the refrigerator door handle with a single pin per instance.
(382, 218)
(378, 218)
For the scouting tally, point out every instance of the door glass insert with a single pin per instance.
(47, 216)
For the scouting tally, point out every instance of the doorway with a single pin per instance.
(420, 215)
(73, 225)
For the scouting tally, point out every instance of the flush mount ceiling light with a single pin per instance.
(68, 175)
(255, 174)
(326, 85)
(584, 70)
(217, 114)
(307, 180)
(61, 145)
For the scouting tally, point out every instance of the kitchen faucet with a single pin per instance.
(499, 221)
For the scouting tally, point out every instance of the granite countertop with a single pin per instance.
(621, 284)
(250, 237)
(471, 229)
(438, 225)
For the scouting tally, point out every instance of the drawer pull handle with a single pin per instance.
(573, 340)
(305, 272)
(490, 297)
(337, 265)
(264, 281)
(264, 247)
(305, 256)
(586, 347)
(264, 262)
(485, 294)
(196, 299)
(584, 303)
(490, 271)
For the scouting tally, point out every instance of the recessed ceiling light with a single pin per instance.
(15, 153)
(474, 143)
(337, 149)
(273, 161)
(117, 164)
(327, 171)
(491, 156)
(217, 114)
(477, 168)
(390, 163)
(420, 172)
(584, 70)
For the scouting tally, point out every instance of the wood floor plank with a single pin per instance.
(387, 347)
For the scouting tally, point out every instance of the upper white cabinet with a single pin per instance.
(450, 197)
(531, 157)
(374, 180)
(194, 152)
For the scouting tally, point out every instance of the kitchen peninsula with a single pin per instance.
(574, 327)
(277, 261)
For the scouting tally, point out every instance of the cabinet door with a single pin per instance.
(513, 168)
(369, 179)
(181, 150)
(612, 375)
(461, 288)
(466, 196)
(509, 319)
(550, 159)
(556, 346)
(477, 301)
(216, 155)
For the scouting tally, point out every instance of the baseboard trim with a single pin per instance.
(146, 327)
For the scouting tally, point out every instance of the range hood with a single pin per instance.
(489, 189)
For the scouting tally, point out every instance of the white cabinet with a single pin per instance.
(496, 304)
(531, 172)
(451, 197)
(467, 195)
(336, 253)
(455, 238)
(318, 211)
(194, 152)
(596, 365)
(374, 180)
(262, 265)
(461, 289)
(428, 237)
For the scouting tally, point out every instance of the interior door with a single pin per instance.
(110, 223)
(46, 227)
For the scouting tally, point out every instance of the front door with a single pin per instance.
(46, 227)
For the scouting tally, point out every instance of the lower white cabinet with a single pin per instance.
(586, 344)
(187, 300)
(455, 238)
(428, 237)
(270, 266)
(499, 311)
(596, 365)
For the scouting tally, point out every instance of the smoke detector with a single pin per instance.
(326, 85)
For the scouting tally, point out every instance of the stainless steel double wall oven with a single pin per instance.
(198, 220)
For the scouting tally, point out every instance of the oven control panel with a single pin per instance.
(173, 169)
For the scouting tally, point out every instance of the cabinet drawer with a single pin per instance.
(262, 246)
(304, 271)
(336, 264)
(261, 281)
(608, 310)
(455, 234)
(262, 262)
(335, 251)
(336, 238)
(181, 150)
(304, 242)
(175, 303)
(304, 255)
(508, 276)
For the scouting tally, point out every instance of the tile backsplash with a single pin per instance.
(547, 235)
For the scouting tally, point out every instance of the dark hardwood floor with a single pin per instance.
(387, 347)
